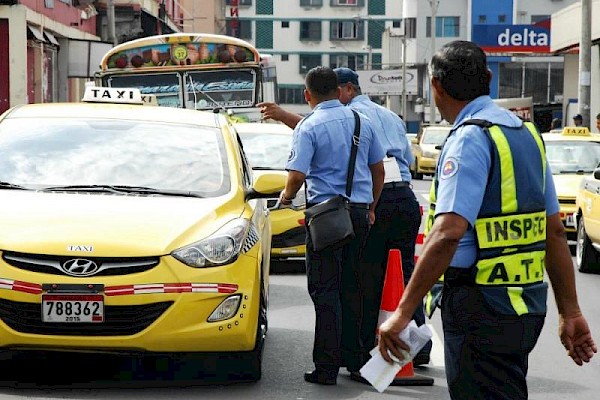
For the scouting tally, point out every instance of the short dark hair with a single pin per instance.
(461, 68)
(322, 81)
(598, 116)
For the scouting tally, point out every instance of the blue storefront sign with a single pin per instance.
(512, 38)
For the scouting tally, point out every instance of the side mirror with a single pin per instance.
(597, 173)
(414, 140)
(267, 185)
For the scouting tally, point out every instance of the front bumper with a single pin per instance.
(153, 311)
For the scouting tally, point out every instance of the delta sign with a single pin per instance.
(513, 38)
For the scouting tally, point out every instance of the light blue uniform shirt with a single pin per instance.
(461, 191)
(321, 150)
(390, 131)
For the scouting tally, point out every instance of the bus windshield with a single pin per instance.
(197, 71)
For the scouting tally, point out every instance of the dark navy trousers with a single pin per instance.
(486, 353)
(397, 222)
(337, 296)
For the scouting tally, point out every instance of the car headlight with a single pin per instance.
(222, 247)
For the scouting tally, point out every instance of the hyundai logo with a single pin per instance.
(80, 267)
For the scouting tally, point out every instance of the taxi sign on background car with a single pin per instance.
(94, 94)
(576, 131)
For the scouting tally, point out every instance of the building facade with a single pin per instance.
(51, 48)
(371, 35)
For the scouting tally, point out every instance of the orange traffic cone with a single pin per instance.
(393, 288)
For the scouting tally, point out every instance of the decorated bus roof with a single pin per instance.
(179, 51)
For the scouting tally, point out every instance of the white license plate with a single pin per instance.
(570, 221)
(72, 308)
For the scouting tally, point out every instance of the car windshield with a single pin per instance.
(55, 152)
(572, 156)
(267, 151)
(435, 136)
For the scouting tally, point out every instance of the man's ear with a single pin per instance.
(307, 95)
(437, 85)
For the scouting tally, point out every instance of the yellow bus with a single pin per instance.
(193, 70)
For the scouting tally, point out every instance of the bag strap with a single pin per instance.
(352, 163)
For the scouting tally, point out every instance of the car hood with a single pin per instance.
(567, 184)
(106, 225)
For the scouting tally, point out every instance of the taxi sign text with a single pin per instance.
(576, 131)
(112, 95)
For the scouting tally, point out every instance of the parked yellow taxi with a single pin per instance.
(132, 228)
(587, 256)
(267, 146)
(572, 154)
(426, 149)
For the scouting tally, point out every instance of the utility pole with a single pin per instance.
(404, 73)
(110, 21)
(585, 61)
(434, 5)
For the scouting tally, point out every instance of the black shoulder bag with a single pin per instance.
(329, 222)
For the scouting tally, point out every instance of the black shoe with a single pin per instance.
(320, 377)
(356, 376)
(420, 359)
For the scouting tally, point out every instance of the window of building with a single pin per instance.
(285, 57)
(264, 34)
(264, 7)
(347, 30)
(239, 28)
(49, 3)
(397, 23)
(482, 20)
(539, 18)
(291, 94)
(309, 61)
(352, 61)
(239, 2)
(531, 79)
(376, 7)
(502, 19)
(444, 26)
(311, 3)
(345, 2)
(285, 24)
(410, 27)
(310, 30)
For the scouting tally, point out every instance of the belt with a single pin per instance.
(393, 185)
(364, 206)
(455, 277)
(360, 205)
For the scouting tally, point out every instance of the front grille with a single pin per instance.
(118, 320)
(294, 237)
(108, 266)
(566, 201)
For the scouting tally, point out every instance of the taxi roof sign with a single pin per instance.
(576, 131)
(94, 94)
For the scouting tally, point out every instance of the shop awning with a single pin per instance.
(51, 38)
(35, 33)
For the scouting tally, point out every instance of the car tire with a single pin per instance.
(586, 257)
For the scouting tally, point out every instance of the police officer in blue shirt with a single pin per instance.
(320, 155)
(398, 216)
(495, 229)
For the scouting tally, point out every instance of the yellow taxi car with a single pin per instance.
(587, 256)
(426, 149)
(131, 228)
(572, 154)
(267, 146)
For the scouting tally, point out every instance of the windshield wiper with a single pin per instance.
(8, 185)
(119, 189)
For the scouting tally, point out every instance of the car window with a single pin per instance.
(572, 156)
(265, 150)
(76, 151)
(435, 136)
